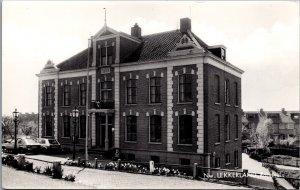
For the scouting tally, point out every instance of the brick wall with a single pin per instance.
(142, 107)
(47, 110)
(211, 109)
(188, 106)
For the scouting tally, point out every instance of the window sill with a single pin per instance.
(82, 106)
(48, 136)
(236, 106)
(227, 164)
(65, 106)
(216, 103)
(131, 142)
(228, 105)
(218, 167)
(184, 145)
(182, 103)
(227, 141)
(236, 168)
(82, 138)
(157, 143)
(65, 137)
(217, 143)
(159, 103)
(130, 104)
(236, 139)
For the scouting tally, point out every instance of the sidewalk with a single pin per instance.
(115, 180)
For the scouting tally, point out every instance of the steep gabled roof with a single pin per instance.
(78, 61)
(156, 46)
(153, 47)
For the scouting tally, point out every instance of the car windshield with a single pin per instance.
(30, 141)
(53, 141)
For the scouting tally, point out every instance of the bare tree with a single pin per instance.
(8, 127)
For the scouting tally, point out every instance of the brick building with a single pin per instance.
(168, 97)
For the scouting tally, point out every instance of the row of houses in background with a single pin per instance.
(285, 124)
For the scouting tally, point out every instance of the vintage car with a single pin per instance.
(49, 145)
(24, 145)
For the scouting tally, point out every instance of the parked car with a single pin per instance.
(49, 145)
(24, 145)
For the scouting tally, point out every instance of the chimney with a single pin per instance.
(136, 31)
(185, 25)
(283, 111)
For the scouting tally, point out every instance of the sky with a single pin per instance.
(262, 38)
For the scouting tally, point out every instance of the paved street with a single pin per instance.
(13, 179)
(112, 179)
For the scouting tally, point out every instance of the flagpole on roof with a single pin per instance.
(87, 101)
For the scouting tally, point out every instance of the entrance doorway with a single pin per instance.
(102, 119)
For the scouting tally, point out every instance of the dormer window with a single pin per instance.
(106, 55)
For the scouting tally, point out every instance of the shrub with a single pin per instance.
(37, 169)
(28, 166)
(110, 166)
(70, 177)
(48, 170)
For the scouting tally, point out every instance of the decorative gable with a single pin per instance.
(185, 46)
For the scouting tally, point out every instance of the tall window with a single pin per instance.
(227, 92)
(185, 88)
(227, 127)
(227, 159)
(48, 126)
(48, 95)
(185, 129)
(66, 126)
(106, 56)
(236, 158)
(131, 128)
(217, 88)
(155, 128)
(236, 120)
(155, 90)
(217, 162)
(67, 95)
(131, 91)
(82, 125)
(218, 124)
(236, 91)
(82, 94)
(106, 90)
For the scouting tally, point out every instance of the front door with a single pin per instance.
(101, 130)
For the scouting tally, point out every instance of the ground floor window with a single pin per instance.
(236, 159)
(185, 129)
(66, 126)
(131, 128)
(217, 162)
(155, 128)
(227, 161)
(82, 125)
(48, 126)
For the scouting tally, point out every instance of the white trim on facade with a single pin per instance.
(200, 110)
(56, 108)
(169, 108)
(117, 107)
(188, 60)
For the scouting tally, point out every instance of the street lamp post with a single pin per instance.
(75, 114)
(16, 119)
